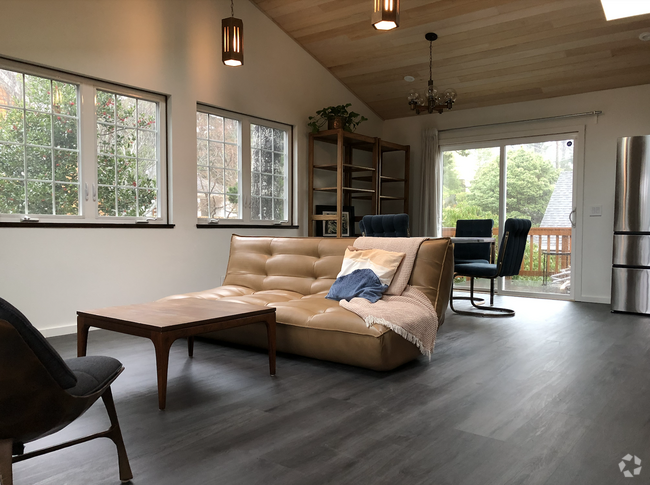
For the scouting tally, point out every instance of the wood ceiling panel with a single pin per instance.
(491, 51)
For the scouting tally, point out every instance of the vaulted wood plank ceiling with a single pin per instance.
(491, 51)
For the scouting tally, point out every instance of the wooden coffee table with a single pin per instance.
(165, 321)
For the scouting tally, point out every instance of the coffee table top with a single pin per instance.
(178, 313)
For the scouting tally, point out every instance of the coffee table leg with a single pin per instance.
(82, 336)
(270, 331)
(190, 346)
(162, 344)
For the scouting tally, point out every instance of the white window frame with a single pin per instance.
(245, 163)
(87, 144)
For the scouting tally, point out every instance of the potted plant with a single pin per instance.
(336, 117)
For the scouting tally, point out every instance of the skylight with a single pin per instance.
(619, 9)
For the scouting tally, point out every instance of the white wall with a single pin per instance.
(173, 47)
(626, 112)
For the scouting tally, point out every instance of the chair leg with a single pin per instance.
(6, 477)
(115, 434)
(474, 299)
(500, 312)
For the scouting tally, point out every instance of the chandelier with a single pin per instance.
(433, 100)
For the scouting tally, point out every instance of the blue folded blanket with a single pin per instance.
(362, 283)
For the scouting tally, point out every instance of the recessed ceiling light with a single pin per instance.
(645, 36)
(619, 9)
(409, 79)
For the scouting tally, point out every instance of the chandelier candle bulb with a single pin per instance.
(432, 101)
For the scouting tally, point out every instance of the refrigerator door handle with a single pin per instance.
(572, 218)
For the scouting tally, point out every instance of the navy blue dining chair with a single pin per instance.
(474, 252)
(385, 225)
(511, 253)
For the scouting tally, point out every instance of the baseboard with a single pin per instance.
(594, 299)
(57, 331)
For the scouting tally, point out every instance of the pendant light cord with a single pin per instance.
(431, 60)
(232, 8)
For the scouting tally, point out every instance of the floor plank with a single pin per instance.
(556, 395)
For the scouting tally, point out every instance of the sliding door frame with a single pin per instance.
(489, 138)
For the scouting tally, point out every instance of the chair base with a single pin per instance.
(113, 433)
(498, 312)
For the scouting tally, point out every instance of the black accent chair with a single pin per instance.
(40, 393)
(385, 225)
(511, 254)
(475, 252)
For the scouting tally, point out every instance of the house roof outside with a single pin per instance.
(561, 204)
(558, 209)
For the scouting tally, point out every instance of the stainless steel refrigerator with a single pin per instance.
(631, 261)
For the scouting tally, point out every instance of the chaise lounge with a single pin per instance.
(293, 274)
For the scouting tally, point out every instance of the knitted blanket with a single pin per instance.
(405, 310)
(410, 315)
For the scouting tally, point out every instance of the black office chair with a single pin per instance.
(511, 254)
(475, 252)
(40, 393)
(385, 225)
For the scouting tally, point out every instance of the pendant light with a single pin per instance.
(385, 15)
(432, 100)
(233, 39)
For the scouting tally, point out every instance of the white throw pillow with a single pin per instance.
(383, 263)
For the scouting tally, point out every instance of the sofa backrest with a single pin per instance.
(309, 265)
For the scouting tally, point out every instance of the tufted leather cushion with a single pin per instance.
(301, 265)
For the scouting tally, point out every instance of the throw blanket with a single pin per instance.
(405, 310)
(410, 315)
(362, 283)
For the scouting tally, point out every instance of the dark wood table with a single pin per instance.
(165, 321)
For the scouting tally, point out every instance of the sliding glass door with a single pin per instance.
(529, 178)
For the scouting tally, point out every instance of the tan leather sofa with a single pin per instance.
(293, 274)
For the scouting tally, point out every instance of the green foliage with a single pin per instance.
(126, 162)
(39, 167)
(350, 119)
(455, 197)
(530, 184)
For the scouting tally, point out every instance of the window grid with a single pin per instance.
(218, 166)
(127, 156)
(39, 161)
(268, 173)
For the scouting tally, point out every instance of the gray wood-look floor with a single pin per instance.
(556, 395)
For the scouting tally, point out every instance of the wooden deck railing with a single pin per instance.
(548, 247)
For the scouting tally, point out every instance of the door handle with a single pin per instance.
(572, 218)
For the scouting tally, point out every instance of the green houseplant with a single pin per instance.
(336, 117)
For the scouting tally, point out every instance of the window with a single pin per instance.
(78, 150)
(243, 168)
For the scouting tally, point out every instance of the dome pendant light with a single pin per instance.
(233, 39)
(385, 15)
